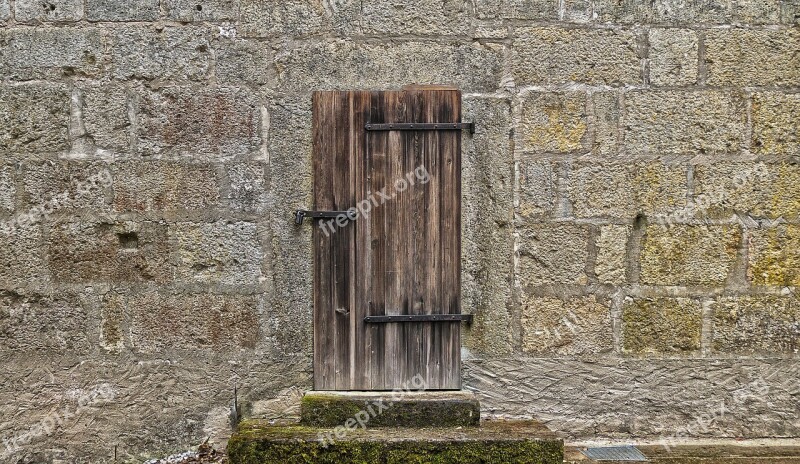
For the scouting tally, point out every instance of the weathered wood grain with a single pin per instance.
(403, 257)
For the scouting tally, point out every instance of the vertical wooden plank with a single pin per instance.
(395, 228)
(352, 310)
(361, 343)
(375, 167)
(343, 241)
(450, 152)
(323, 109)
(432, 333)
(414, 234)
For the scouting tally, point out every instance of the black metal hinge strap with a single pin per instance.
(422, 126)
(419, 318)
(301, 214)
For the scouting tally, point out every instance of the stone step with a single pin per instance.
(507, 442)
(388, 409)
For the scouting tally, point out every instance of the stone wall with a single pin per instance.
(631, 211)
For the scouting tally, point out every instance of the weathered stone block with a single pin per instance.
(5, 10)
(164, 186)
(756, 189)
(202, 10)
(666, 12)
(606, 111)
(688, 254)
(50, 188)
(517, 9)
(104, 113)
(244, 62)
(488, 185)
(298, 18)
(673, 57)
(536, 189)
(577, 326)
(490, 29)
(552, 253)
(290, 149)
(750, 57)
(51, 53)
(662, 326)
(122, 10)
(45, 323)
(249, 187)
(622, 11)
(661, 187)
(113, 322)
(425, 17)
(623, 190)
(723, 187)
(338, 64)
(218, 123)
(776, 123)
(757, 11)
(554, 55)
(683, 12)
(539, 10)
(85, 252)
(553, 122)
(784, 185)
(601, 189)
(171, 53)
(34, 118)
(790, 12)
(610, 266)
(28, 11)
(219, 252)
(193, 321)
(692, 11)
(757, 325)
(676, 122)
(487, 218)
(775, 256)
(290, 155)
(8, 189)
(22, 255)
(579, 11)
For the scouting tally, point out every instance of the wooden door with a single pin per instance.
(400, 256)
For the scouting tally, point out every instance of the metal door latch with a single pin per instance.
(417, 126)
(301, 214)
(419, 318)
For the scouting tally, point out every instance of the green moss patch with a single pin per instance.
(425, 410)
(496, 442)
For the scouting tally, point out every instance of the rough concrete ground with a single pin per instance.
(751, 453)
(205, 454)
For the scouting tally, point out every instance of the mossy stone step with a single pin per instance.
(388, 409)
(507, 442)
